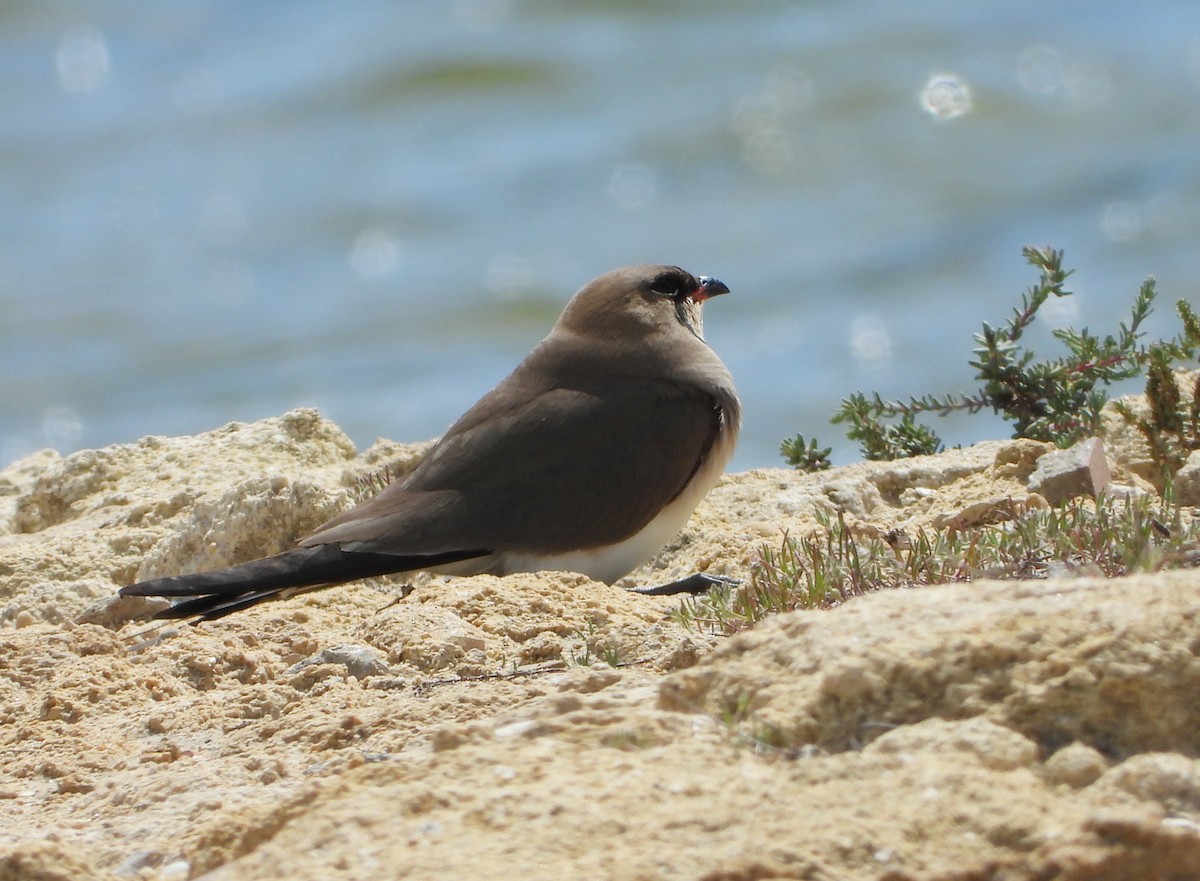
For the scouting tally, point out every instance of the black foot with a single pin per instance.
(696, 584)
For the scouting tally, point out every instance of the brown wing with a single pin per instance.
(554, 471)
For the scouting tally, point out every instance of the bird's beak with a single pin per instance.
(709, 287)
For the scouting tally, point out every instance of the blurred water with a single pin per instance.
(217, 211)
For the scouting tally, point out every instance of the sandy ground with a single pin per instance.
(477, 727)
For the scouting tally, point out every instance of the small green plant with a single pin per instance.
(1057, 400)
(627, 740)
(610, 653)
(582, 657)
(736, 709)
(369, 485)
(591, 648)
(806, 457)
(900, 440)
(1172, 428)
(824, 568)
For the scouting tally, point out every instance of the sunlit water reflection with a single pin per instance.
(217, 212)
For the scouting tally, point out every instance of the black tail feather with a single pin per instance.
(210, 608)
(222, 591)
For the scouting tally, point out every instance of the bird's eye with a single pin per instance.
(669, 285)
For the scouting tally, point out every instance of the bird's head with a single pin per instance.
(639, 300)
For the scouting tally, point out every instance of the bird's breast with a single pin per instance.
(610, 562)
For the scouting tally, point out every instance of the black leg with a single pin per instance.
(696, 584)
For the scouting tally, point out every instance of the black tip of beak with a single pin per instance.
(710, 287)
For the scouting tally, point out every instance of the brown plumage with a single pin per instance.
(589, 457)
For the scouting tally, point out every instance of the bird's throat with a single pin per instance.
(689, 314)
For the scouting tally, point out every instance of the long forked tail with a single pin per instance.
(212, 595)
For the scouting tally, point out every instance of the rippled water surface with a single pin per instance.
(213, 211)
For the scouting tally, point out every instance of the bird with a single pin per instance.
(589, 457)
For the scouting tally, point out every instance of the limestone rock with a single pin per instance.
(1024, 730)
(1187, 481)
(1063, 475)
(1076, 765)
(360, 661)
(1051, 660)
(84, 524)
(1127, 445)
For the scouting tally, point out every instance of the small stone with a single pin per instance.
(990, 512)
(360, 661)
(115, 611)
(74, 783)
(1077, 765)
(1168, 779)
(1125, 492)
(993, 746)
(519, 728)
(139, 860)
(1066, 474)
(1019, 457)
(1187, 481)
